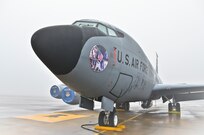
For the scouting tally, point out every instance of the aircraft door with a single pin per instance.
(114, 65)
(122, 85)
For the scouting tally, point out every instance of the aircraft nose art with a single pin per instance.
(58, 47)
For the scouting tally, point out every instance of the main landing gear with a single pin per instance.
(107, 118)
(174, 106)
(125, 106)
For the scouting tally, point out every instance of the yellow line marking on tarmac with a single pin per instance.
(131, 118)
(120, 124)
(53, 117)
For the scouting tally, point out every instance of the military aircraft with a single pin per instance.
(100, 62)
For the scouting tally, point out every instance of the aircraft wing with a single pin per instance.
(181, 92)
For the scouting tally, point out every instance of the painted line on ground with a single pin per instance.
(52, 117)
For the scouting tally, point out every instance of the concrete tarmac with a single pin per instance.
(21, 115)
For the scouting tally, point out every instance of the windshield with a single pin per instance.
(89, 24)
(102, 28)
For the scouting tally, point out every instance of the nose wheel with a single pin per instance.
(107, 118)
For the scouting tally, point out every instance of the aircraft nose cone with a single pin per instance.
(58, 47)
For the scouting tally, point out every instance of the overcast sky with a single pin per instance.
(172, 28)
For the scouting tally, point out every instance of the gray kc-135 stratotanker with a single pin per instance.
(102, 63)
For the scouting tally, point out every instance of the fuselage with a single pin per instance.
(97, 64)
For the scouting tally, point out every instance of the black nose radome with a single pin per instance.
(58, 47)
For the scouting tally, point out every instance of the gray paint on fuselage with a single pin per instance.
(84, 80)
(92, 84)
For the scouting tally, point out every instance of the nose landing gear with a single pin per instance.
(107, 118)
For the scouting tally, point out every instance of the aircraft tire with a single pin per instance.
(170, 107)
(101, 118)
(118, 106)
(178, 108)
(127, 106)
(113, 119)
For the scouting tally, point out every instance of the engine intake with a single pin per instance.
(70, 97)
(56, 90)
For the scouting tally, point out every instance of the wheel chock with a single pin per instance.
(174, 112)
(118, 128)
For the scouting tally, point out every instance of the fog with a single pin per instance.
(174, 29)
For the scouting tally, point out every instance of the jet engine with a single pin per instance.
(146, 104)
(70, 97)
(56, 90)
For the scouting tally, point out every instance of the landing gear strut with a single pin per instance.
(107, 118)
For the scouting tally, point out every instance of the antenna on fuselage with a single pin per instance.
(157, 60)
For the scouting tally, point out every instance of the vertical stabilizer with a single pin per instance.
(157, 68)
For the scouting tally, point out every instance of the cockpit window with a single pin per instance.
(89, 24)
(111, 32)
(102, 28)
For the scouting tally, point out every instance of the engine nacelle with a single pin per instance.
(146, 104)
(56, 90)
(70, 97)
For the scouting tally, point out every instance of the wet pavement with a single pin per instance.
(47, 116)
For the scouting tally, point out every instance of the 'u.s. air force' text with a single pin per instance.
(133, 62)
